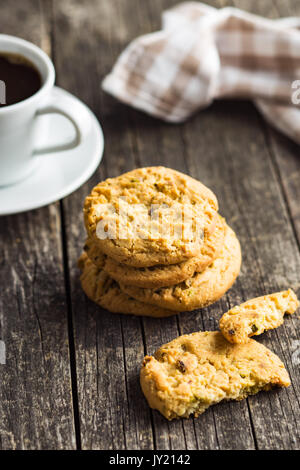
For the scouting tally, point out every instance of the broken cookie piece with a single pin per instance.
(195, 371)
(257, 315)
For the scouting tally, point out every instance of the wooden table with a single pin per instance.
(71, 376)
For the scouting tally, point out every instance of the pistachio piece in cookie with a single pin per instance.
(257, 315)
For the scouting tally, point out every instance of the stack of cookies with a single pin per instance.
(156, 244)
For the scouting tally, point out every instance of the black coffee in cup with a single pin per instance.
(19, 79)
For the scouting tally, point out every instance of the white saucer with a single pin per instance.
(57, 175)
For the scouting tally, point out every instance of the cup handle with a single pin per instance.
(73, 111)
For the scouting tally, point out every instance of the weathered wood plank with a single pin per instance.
(242, 174)
(285, 156)
(156, 144)
(272, 262)
(35, 385)
(109, 348)
(159, 143)
(163, 144)
(284, 151)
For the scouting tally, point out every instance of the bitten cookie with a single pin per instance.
(257, 315)
(103, 290)
(121, 207)
(161, 275)
(201, 289)
(195, 371)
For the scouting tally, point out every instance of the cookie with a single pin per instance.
(257, 315)
(118, 211)
(103, 290)
(94, 253)
(195, 371)
(161, 275)
(200, 290)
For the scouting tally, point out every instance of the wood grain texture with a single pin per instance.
(255, 173)
(35, 387)
(108, 347)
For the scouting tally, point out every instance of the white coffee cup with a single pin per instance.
(19, 123)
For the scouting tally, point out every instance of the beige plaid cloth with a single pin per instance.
(203, 53)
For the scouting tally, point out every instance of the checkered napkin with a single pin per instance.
(203, 53)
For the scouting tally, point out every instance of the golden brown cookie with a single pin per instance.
(161, 275)
(118, 210)
(195, 371)
(200, 290)
(94, 253)
(257, 315)
(103, 290)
